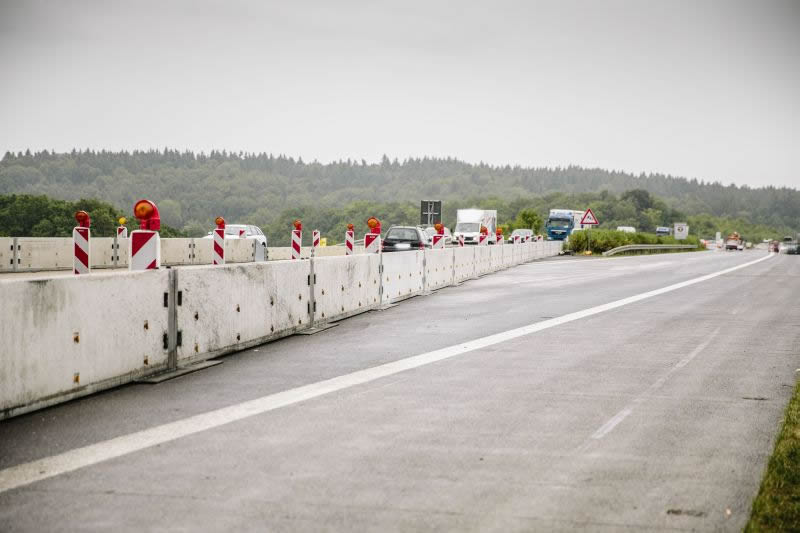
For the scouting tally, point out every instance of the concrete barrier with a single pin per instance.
(7, 254)
(44, 253)
(69, 336)
(240, 250)
(464, 263)
(438, 268)
(496, 257)
(345, 286)
(402, 275)
(231, 307)
(483, 260)
(177, 251)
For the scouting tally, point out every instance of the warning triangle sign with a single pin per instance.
(589, 218)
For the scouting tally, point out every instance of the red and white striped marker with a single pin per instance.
(372, 240)
(461, 240)
(315, 239)
(498, 237)
(145, 250)
(297, 239)
(122, 231)
(516, 239)
(241, 233)
(80, 244)
(483, 239)
(372, 243)
(438, 238)
(218, 255)
(349, 240)
(145, 244)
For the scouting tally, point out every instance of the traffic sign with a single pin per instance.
(430, 212)
(681, 231)
(589, 218)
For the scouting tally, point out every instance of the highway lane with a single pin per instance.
(649, 415)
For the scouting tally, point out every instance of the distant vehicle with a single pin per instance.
(405, 238)
(733, 242)
(431, 231)
(562, 222)
(793, 249)
(522, 234)
(242, 231)
(663, 231)
(626, 229)
(469, 222)
(774, 246)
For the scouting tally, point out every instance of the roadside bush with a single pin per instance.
(603, 240)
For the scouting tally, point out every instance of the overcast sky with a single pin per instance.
(706, 89)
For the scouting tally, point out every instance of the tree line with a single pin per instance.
(42, 216)
(191, 189)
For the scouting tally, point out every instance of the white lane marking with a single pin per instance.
(24, 474)
(614, 421)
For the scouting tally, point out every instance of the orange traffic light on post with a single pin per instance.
(439, 227)
(298, 225)
(83, 219)
(350, 227)
(147, 214)
(220, 222)
(374, 225)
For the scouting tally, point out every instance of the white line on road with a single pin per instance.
(615, 420)
(24, 474)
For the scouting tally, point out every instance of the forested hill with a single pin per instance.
(192, 188)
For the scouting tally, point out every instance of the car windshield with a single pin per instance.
(468, 227)
(234, 230)
(402, 234)
(558, 223)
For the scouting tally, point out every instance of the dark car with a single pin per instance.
(793, 249)
(404, 238)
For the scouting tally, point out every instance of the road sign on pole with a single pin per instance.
(681, 231)
(430, 212)
(590, 220)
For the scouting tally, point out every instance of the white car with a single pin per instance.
(522, 234)
(242, 231)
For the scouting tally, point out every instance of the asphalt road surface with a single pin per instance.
(610, 394)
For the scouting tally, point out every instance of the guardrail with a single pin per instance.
(68, 336)
(637, 247)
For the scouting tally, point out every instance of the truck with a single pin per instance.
(469, 222)
(734, 242)
(562, 222)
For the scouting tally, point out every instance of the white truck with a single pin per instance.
(469, 222)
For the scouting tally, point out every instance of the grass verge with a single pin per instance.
(777, 506)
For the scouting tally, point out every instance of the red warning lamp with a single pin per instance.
(220, 222)
(298, 225)
(484, 230)
(499, 232)
(147, 213)
(439, 227)
(83, 219)
(350, 227)
(374, 225)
